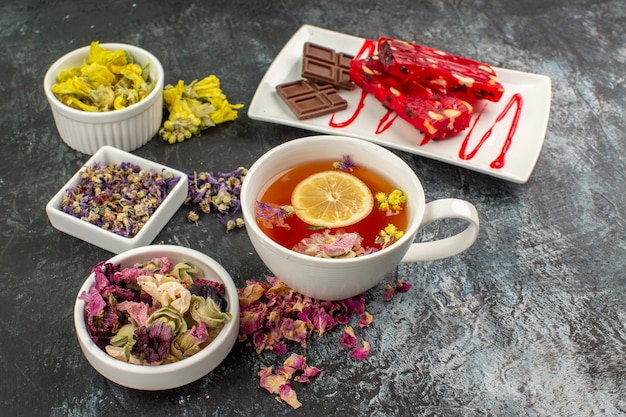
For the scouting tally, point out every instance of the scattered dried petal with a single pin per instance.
(271, 381)
(272, 312)
(348, 339)
(365, 320)
(296, 361)
(219, 193)
(403, 286)
(289, 396)
(390, 292)
(361, 353)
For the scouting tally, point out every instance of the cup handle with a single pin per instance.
(443, 248)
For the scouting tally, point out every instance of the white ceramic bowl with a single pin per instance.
(126, 129)
(105, 239)
(170, 375)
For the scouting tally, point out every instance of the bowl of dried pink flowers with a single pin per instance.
(157, 317)
(106, 94)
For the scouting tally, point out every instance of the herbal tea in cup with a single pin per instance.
(331, 215)
(332, 209)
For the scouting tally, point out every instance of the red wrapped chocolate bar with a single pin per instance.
(435, 114)
(442, 71)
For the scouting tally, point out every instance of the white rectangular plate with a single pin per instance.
(493, 134)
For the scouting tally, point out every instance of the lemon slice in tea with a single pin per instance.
(332, 199)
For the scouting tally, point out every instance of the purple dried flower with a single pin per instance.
(199, 333)
(271, 215)
(209, 291)
(153, 342)
(216, 192)
(345, 165)
(117, 197)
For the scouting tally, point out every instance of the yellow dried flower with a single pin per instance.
(195, 107)
(107, 80)
(388, 235)
(393, 201)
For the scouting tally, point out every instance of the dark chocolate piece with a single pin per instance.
(308, 99)
(324, 65)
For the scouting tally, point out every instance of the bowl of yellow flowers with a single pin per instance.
(106, 94)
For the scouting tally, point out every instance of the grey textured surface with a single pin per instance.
(530, 321)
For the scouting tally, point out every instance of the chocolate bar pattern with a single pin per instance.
(324, 65)
(308, 99)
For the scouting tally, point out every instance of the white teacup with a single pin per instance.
(337, 279)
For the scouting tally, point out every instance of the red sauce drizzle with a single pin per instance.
(499, 161)
(368, 48)
(353, 117)
(382, 126)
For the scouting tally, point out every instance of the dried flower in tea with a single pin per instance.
(390, 202)
(345, 164)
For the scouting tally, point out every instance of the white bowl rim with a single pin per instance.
(160, 370)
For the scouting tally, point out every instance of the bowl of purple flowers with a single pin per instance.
(157, 317)
(117, 200)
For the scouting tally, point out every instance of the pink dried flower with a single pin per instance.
(365, 320)
(279, 348)
(286, 370)
(272, 312)
(296, 361)
(271, 381)
(390, 292)
(348, 339)
(321, 320)
(311, 371)
(295, 330)
(199, 333)
(289, 396)
(250, 293)
(153, 342)
(278, 382)
(403, 286)
(327, 245)
(361, 353)
(138, 311)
